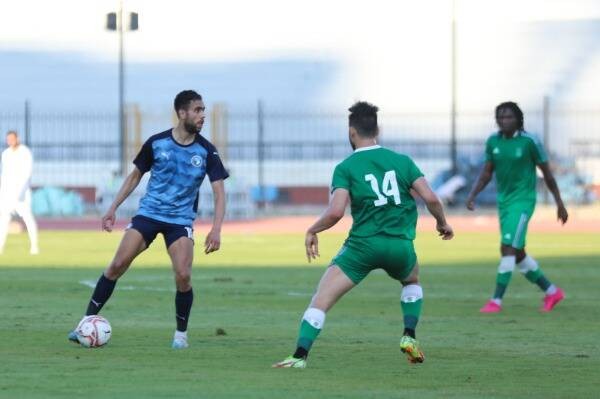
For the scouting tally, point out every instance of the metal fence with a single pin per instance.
(281, 150)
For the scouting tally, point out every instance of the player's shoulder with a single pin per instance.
(204, 142)
(492, 137)
(399, 155)
(159, 136)
(533, 137)
(395, 155)
(25, 150)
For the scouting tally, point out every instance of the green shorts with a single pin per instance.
(513, 224)
(360, 255)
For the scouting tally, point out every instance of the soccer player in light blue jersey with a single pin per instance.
(178, 160)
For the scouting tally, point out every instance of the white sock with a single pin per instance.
(180, 335)
(497, 301)
(551, 290)
(315, 317)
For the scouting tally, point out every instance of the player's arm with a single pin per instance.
(213, 239)
(130, 183)
(334, 212)
(434, 206)
(485, 176)
(550, 181)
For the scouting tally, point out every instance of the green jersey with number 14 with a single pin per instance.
(379, 182)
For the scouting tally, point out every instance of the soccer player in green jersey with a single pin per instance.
(513, 154)
(377, 183)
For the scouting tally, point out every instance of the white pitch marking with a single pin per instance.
(92, 284)
(292, 293)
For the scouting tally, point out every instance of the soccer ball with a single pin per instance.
(93, 331)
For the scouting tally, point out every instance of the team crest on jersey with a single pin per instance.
(196, 161)
(519, 153)
(496, 150)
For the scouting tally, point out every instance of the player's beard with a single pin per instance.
(191, 128)
(352, 144)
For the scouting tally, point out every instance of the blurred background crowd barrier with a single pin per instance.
(281, 161)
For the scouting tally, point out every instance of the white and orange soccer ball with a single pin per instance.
(93, 331)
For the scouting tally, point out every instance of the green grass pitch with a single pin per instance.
(256, 289)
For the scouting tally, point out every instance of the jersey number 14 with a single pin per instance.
(389, 187)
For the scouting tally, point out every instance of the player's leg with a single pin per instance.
(513, 224)
(4, 224)
(333, 285)
(505, 271)
(348, 268)
(132, 244)
(529, 267)
(180, 246)
(411, 301)
(400, 262)
(24, 211)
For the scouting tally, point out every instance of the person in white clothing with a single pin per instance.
(15, 194)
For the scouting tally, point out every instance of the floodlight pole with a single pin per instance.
(453, 144)
(122, 121)
(115, 22)
(261, 154)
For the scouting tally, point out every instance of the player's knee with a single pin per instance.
(411, 293)
(507, 264)
(183, 278)
(528, 264)
(407, 282)
(412, 279)
(116, 268)
(507, 250)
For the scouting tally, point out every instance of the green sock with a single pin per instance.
(307, 336)
(537, 277)
(502, 280)
(411, 311)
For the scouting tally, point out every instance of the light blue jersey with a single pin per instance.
(176, 173)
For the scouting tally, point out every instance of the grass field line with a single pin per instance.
(92, 284)
(433, 294)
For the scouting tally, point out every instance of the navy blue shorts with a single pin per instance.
(149, 229)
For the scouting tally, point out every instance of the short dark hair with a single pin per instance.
(514, 107)
(12, 132)
(363, 117)
(183, 99)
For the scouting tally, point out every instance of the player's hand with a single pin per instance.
(445, 231)
(311, 242)
(108, 220)
(212, 242)
(562, 214)
(470, 204)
